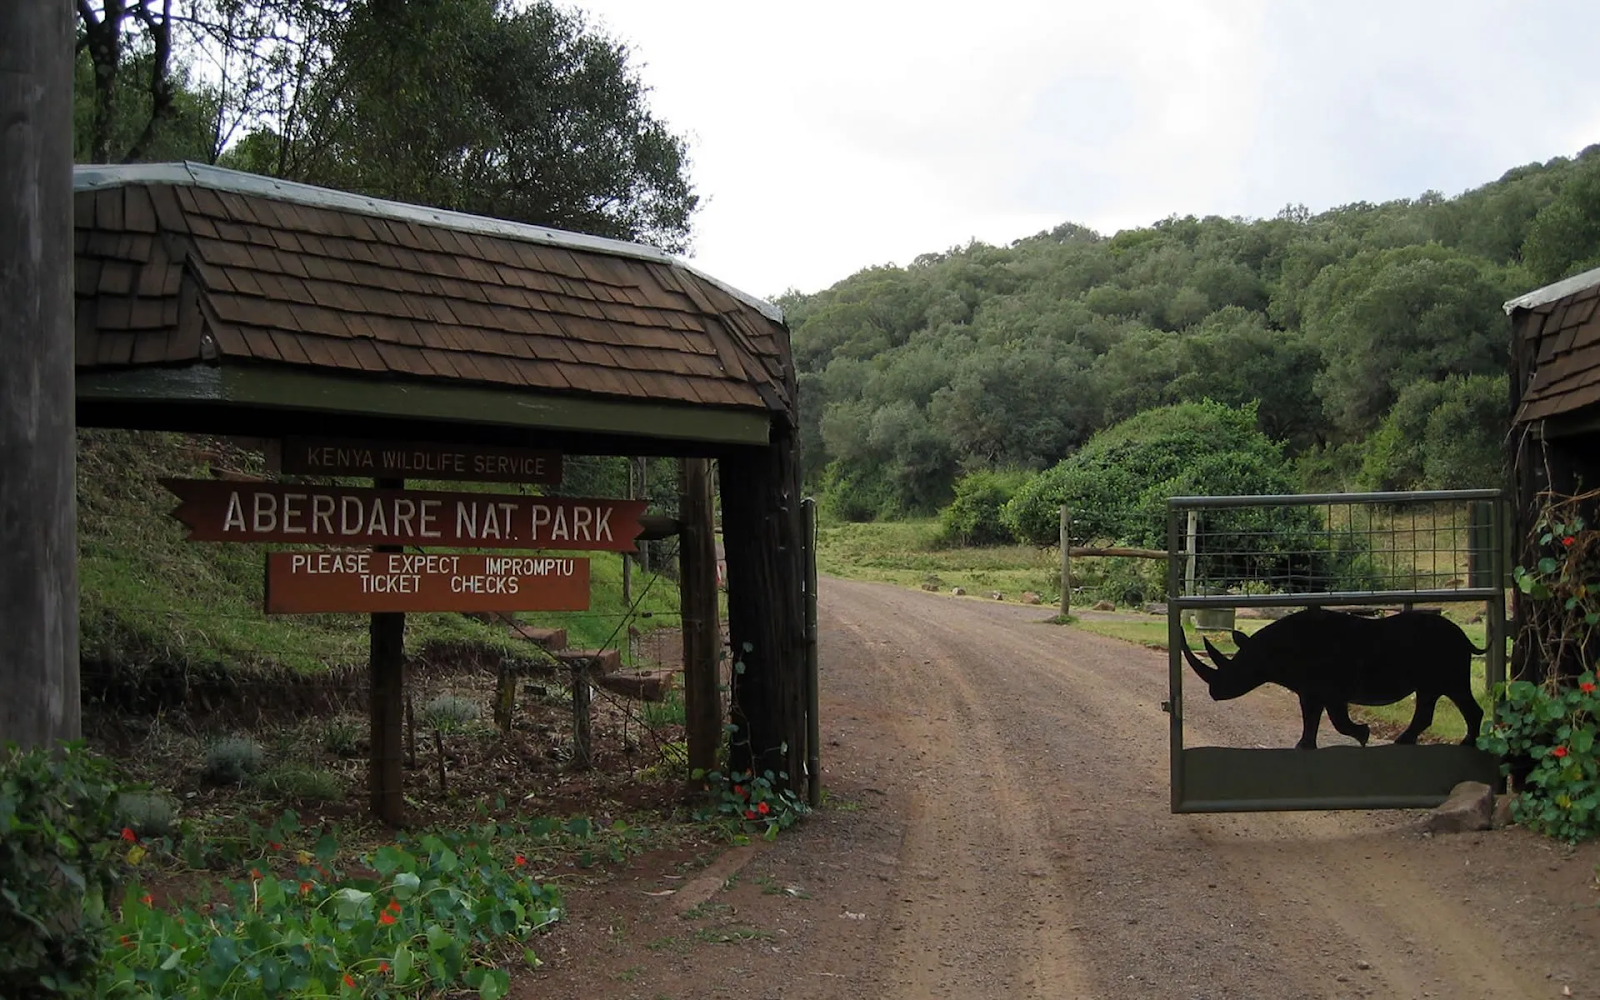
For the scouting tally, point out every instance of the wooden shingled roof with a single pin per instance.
(183, 265)
(1558, 329)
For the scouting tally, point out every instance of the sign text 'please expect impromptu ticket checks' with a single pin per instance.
(222, 511)
(334, 582)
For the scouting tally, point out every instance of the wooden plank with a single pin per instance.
(341, 582)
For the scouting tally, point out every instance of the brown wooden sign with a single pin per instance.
(217, 511)
(378, 459)
(327, 582)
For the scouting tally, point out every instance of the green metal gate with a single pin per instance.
(1345, 550)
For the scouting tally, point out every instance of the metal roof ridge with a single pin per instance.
(94, 175)
(1559, 290)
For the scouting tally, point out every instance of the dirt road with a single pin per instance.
(1000, 829)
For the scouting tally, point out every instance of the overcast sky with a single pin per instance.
(829, 136)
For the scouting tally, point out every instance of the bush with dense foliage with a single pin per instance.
(58, 822)
(973, 517)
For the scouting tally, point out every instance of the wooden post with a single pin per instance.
(38, 501)
(1066, 561)
(582, 743)
(702, 632)
(644, 491)
(766, 610)
(387, 667)
(627, 560)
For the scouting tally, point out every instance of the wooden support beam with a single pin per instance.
(582, 741)
(38, 500)
(766, 612)
(387, 670)
(702, 632)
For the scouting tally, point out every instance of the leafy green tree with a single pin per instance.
(1564, 238)
(1387, 318)
(973, 517)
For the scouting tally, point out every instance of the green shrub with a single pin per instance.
(58, 816)
(973, 517)
(296, 780)
(1131, 582)
(449, 712)
(1557, 727)
(229, 761)
(147, 814)
(342, 737)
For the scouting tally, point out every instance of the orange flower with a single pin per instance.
(1559, 752)
(305, 887)
(519, 861)
(255, 873)
(394, 906)
(125, 942)
(386, 918)
(1587, 687)
(348, 981)
(129, 835)
(763, 808)
(383, 966)
(147, 899)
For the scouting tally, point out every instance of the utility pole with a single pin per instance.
(38, 446)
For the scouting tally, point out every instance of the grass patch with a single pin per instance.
(906, 553)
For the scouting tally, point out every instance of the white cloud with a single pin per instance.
(830, 136)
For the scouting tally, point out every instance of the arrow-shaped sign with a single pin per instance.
(217, 511)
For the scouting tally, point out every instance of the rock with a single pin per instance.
(930, 586)
(1501, 816)
(1103, 606)
(1468, 808)
(958, 591)
(1155, 609)
(1029, 597)
(996, 595)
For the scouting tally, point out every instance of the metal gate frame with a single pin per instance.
(1239, 779)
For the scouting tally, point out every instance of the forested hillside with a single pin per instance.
(1369, 337)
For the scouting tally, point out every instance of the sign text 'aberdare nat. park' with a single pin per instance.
(380, 460)
(220, 511)
(329, 582)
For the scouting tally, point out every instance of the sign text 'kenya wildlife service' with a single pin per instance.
(474, 463)
(218, 511)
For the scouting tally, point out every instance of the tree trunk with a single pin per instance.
(38, 501)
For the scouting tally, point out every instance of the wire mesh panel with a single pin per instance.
(1369, 574)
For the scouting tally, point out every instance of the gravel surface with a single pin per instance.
(999, 827)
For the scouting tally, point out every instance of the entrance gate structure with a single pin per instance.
(1362, 552)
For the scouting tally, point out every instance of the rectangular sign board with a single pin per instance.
(331, 582)
(477, 463)
(221, 511)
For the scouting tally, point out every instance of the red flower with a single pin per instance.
(519, 860)
(383, 966)
(749, 814)
(1568, 541)
(272, 845)
(1559, 752)
(349, 981)
(129, 835)
(147, 899)
(394, 906)
(1587, 687)
(386, 918)
(305, 887)
(738, 790)
(255, 873)
(125, 942)
(763, 809)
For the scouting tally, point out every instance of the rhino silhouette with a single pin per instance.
(1333, 660)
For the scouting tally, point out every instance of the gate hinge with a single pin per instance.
(1166, 707)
